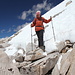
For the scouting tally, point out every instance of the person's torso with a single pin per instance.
(39, 22)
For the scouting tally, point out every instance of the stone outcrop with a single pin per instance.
(19, 58)
(67, 64)
(33, 62)
(41, 66)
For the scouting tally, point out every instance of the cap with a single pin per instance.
(38, 13)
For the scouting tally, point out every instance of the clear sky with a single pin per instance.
(14, 14)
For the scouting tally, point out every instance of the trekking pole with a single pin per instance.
(53, 31)
(31, 40)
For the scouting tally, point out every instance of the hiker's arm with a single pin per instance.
(47, 21)
(33, 23)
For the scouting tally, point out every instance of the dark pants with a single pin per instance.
(40, 37)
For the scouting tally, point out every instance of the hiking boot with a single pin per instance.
(43, 48)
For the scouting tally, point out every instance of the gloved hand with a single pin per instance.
(31, 25)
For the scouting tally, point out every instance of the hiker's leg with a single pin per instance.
(41, 38)
(41, 41)
(37, 33)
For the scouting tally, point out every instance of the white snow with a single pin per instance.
(64, 28)
(20, 51)
(13, 61)
(11, 50)
(59, 62)
(69, 50)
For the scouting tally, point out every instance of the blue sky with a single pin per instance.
(14, 14)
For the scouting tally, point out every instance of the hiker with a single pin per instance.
(39, 28)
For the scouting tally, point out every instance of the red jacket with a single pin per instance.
(38, 23)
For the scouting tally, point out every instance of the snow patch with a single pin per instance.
(69, 50)
(13, 61)
(11, 50)
(20, 51)
(59, 62)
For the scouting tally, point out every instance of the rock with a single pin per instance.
(60, 46)
(41, 66)
(72, 63)
(5, 44)
(46, 66)
(3, 49)
(55, 70)
(1, 46)
(29, 47)
(71, 70)
(19, 58)
(25, 63)
(68, 3)
(64, 67)
(34, 55)
(74, 46)
(67, 64)
(64, 50)
(6, 66)
(61, 64)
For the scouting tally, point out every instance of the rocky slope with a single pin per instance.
(18, 58)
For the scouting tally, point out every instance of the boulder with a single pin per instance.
(60, 46)
(67, 64)
(21, 64)
(34, 55)
(6, 65)
(29, 47)
(72, 63)
(19, 58)
(71, 70)
(1, 46)
(55, 70)
(41, 66)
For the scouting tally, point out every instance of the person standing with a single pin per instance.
(39, 29)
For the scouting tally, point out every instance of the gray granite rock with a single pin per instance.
(6, 66)
(41, 66)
